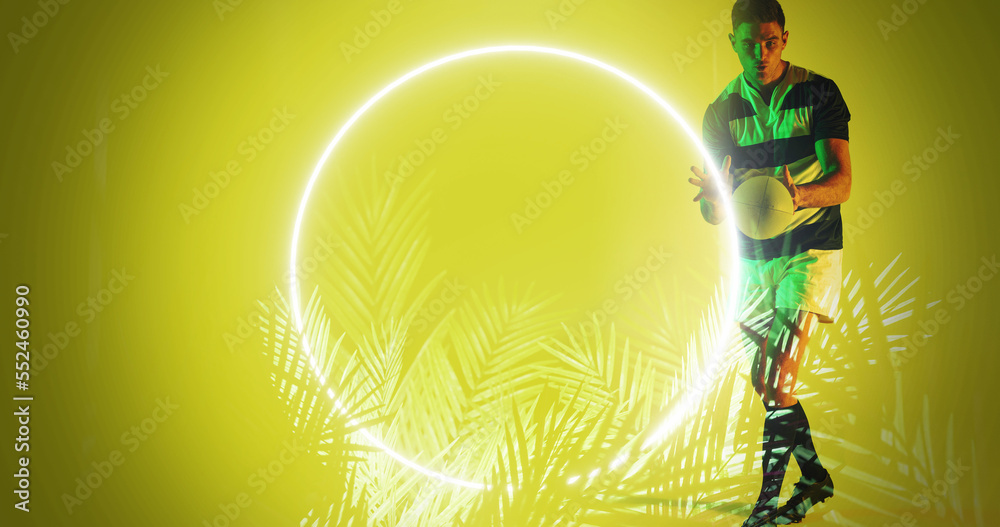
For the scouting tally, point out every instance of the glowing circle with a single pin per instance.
(678, 412)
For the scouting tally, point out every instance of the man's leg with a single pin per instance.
(774, 372)
(776, 368)
(811, 281)
(782, 386)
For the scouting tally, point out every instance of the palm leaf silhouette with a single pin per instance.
(556, 424)
(325, 429)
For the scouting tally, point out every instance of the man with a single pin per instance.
(787, 122)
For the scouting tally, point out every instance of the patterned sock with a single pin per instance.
(805, 454)
(779, 436)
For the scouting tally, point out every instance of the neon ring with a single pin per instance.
(679, 411)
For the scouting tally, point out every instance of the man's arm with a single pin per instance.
(831, 116)
(835, 186)
(718, 143)
(711, 210)
(711, 213)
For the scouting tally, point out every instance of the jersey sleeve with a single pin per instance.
(715, 136)
(831, 114)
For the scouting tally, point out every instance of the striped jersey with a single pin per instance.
(762, 137)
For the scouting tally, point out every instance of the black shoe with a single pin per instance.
(804, 497)
(762, 516)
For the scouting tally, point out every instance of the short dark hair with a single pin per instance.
(757, 12)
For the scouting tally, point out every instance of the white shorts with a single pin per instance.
(807, 281)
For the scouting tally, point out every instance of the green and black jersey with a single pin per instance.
(805, 107)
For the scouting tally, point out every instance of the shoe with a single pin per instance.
(762, 516)
(804, 497)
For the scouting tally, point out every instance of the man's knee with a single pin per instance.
(791, 329)
(754, 331)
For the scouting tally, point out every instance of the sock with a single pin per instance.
(779, 440)
(805, 454)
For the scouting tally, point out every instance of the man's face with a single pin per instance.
(759, 47)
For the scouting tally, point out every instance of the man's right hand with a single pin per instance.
(711, 209)
(709, 191)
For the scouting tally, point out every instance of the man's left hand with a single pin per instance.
(792, 189)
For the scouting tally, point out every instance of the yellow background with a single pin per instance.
(195, 280)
